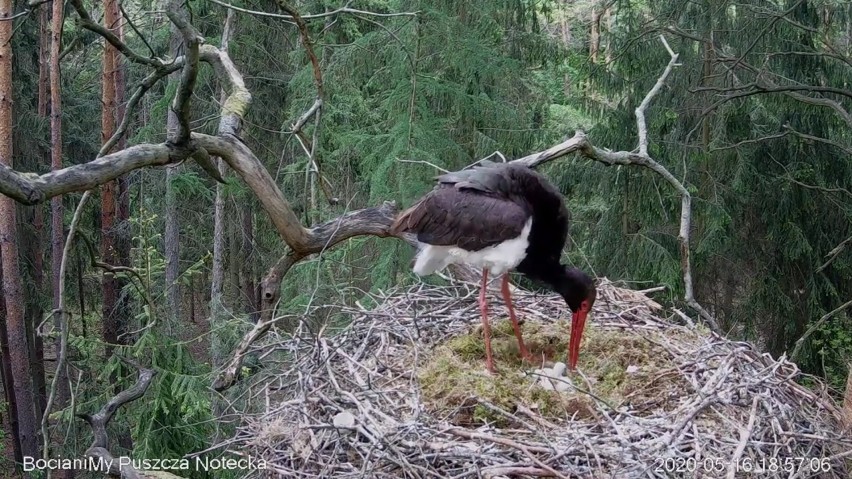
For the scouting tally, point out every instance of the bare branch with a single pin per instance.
(366, 222)
(89, 24)
(579, 143)
(17, 15)
(99, 421)
(832, 255)
(143, 88)
(242, 160)
(311, 17)
(63, 319)
(136, 30)
(640, 110)
(787, 132)
(306, 41)
(181, 104)
(300, 123)
(238, 101)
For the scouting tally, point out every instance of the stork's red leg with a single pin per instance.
(507, 297)
(486, 328)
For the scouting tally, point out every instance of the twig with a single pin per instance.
(508, 442)
(816, 325)
(745, 434)
(63, 321)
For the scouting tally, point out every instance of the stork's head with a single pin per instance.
(578, 290)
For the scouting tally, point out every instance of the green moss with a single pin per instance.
(455, 383)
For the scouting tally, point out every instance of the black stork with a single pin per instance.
(498, 217)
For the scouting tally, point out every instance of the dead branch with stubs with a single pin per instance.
(348, 402)
(98, 422)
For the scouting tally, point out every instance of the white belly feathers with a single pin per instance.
(499, 258)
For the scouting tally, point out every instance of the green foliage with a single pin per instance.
(768, 203)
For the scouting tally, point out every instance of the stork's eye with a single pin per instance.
(584, 306)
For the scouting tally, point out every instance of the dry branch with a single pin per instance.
(181, 104)
(579, 143)
(311, 17)
(86, 22)
(99, 421)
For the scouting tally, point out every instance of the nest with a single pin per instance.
(400, 390)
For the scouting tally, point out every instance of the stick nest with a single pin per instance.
(400, 390)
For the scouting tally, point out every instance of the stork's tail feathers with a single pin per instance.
(431, 259)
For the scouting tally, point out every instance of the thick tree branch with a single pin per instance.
(242, 160)
(366, 222)
(29, 188)
(237, 103)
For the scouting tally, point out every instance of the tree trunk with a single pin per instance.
(247, 271)
(32, 237)
(216, 305)
(8, 384)
(595, 35)
(233, 291)
(12, 284)
(57, 233)
(109, 253)
(172, 233)
(37, 250)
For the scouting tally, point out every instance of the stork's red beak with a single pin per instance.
(578, 322)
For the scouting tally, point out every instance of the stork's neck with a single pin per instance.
(546, 270)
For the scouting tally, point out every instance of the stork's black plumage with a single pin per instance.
(499, 217)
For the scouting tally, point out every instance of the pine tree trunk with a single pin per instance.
(37, 312)
(233, 291)
(109, 253)
(57, 233)
(12, 284)
(11, 418)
